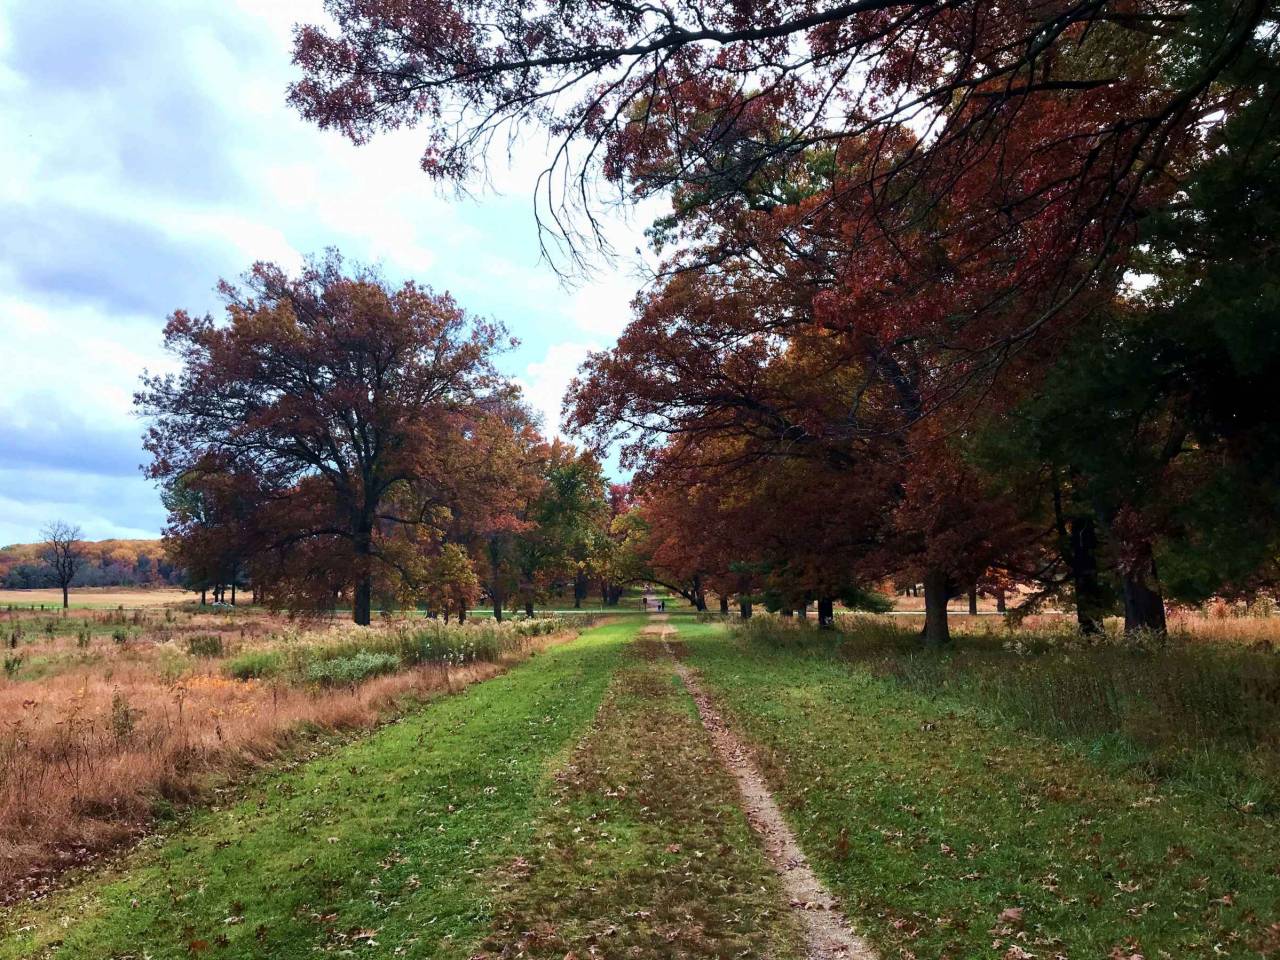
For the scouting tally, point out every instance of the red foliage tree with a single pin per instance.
(345, 399)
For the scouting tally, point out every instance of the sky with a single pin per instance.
(148, 151)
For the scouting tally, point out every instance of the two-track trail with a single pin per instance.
(828, 933)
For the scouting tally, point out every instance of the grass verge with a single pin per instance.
(950, 833)
(645, 852)
(381, 846)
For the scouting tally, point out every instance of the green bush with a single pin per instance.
(342, 671)
(255, 665)
(205, 645)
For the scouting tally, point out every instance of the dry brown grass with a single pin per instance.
(98, 597)
(98, 739)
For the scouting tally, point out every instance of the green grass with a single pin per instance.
(383, 845)
(645, 853)
(949, 832)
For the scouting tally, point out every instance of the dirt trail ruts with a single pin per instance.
(827, 930)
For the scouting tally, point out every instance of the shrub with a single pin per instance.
(12, 664)
(341, 671)
(255, 665)
(120, 635)
(205, 645)
(123, 716)
(82, 638)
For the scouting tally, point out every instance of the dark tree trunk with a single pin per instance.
(579, 589)
(724, 604)
(462, 613)
(1000, 603)
(497, 607)
(803, 610)
(744, 608)
(1143, 602)
(233, 593)
(826, 613)
(1090, 597)
(973, 601)
(203, 601)
(362, 607)
(937, 591)
(787, 612)
(528, 606)
(65, 602)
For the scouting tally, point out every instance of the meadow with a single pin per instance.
(114, 718)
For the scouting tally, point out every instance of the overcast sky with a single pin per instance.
(147, 151)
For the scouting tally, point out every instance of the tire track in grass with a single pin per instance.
(645, 853)
(827, 931)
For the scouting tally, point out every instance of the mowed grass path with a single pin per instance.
(386, 846)
(948, 834)
(646, 853)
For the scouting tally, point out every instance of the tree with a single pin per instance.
(63, 553)
(344, 399)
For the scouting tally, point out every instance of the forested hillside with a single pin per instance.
(108, 563)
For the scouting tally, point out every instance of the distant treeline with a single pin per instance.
(108, 563)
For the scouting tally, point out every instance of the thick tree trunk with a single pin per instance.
(1090, 598)
(826, 613)
(787, 612)
(1143, 602)
(803, 610)
(1000, 602)
(65, 601)
(362, 605)
(462, 613)
(724, 604)
(528, 606)
(579, 589)
(744, 608)
(203, 601)
(937, 591)
(233, 593)
(973, 601)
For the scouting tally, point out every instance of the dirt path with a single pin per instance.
(828, 932)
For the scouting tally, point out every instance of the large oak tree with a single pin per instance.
(346, 398)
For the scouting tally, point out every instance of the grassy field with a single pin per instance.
(384, 845)
(952, 830)
(114, 717)
(95, 598)
(1021, 796)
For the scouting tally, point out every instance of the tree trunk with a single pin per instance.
(826, 613)
(1000, 603)
(528, 606)
(787, 612)
(803, 610)
(724, 605)
(1143, 602)
(65, 602)
(744, 608)
(233, 593)
(362, 605)
(497, 607)
(973, 601)
(937, 591)
(1090, 598)
(202, 597)
(462, 613)
(579, 589)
